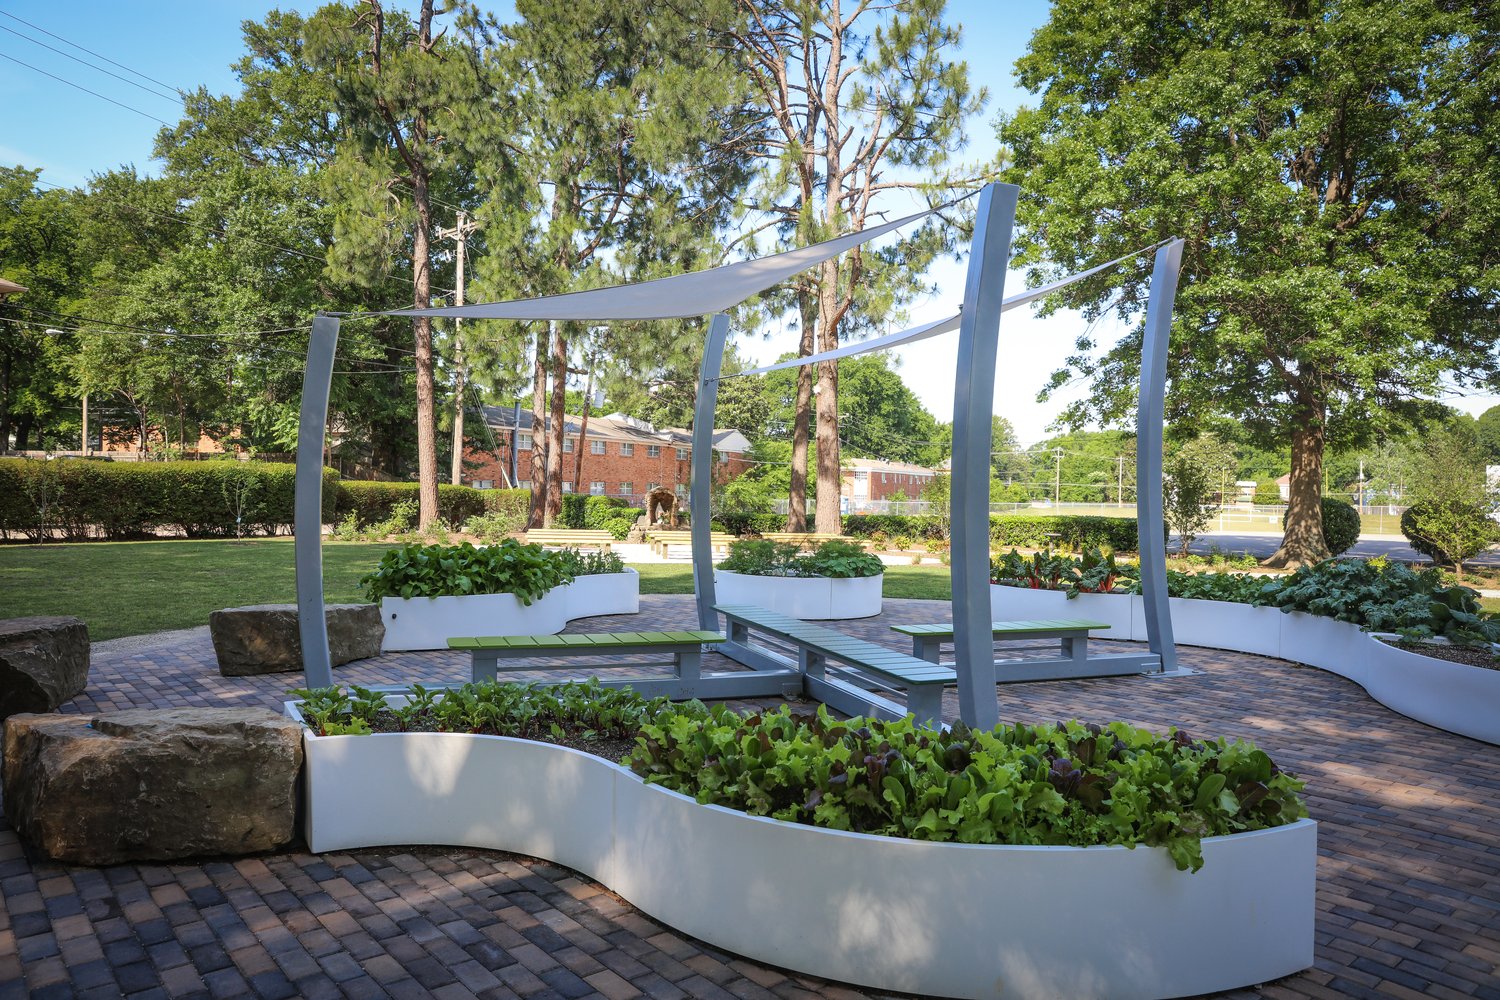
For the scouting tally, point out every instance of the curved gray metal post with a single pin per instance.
(312, 626)
(701, 485)
(1150, 417)
(973, 407)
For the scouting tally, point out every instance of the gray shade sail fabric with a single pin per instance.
(933, 329)
(697, 293)
(909, 336)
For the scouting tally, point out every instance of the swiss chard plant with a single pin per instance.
(1065, 784)
(576, 562)
(507, 567)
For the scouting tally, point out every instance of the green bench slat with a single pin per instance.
(1031, 627)
(594, 640)
(841, 646)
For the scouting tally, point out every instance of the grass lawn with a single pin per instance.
(131, 588)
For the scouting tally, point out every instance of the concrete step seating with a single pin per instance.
(580, 538)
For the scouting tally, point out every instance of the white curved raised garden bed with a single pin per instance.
(429, 622)
(1454, 697)
(943, 919)
(804, 597)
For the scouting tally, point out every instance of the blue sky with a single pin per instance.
(185, 43)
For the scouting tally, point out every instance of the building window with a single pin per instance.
(882, 477)
(596, 447)
(652, 487)
(627, 489)
(523, 484)
(723, 457)
(567, 444)
(567, 486)
(523, 442)
(627, 449)
(682, 454)
(653, 451)
(596, 488)
(484, 484)
(682, 489)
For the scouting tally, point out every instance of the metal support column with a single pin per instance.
(1150, 418)
(317, 378)
(701, 485)
(973, 407)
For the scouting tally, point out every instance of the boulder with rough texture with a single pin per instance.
(152, 784)
(44, 662)
(263, 638)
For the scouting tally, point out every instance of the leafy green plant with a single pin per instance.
(1039, 571)
(508, 567)
(834, 558)
(901, 543)
(493, 526)
(1383, 596)
(576, 563)
(1068, 784)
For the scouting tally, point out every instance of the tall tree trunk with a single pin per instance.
(583, 429)
(23, 431)
(556, 431)
(796, 512)
(538, 432)
(1303, 542)
(830, 482)
(421, 274)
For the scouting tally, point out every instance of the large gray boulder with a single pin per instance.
(263, 638)
(149, 784)
(44, 661)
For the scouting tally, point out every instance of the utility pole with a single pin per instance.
(459, 234)
(1057, 453)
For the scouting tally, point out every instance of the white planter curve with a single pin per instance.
(809, 598)
(429, 622)
(1022, 603)
(945, 919)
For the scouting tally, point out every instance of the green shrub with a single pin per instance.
(1095, 572)
(1074, 531)
(1340, 525)
(598, 510)
(910, 525)
(835, 559)
(123, 500)
(570, 513)
(620, 524)
(508, 567)
(494, 525)
(1066, 784)
(373, 503)
(1449, 536)
(1267, 494)
(748, 523)
(511, 503)
(576, 563)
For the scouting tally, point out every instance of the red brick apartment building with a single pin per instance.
(867, 479)
(622, 456)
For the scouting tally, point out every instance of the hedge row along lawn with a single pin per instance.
(133, 588)
(1069, 784)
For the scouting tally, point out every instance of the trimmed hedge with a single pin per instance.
(513, 503)
(371, 503)
(85, 499)
(744, 523)
(910, 525)
(1075, 531)
(1340, 525)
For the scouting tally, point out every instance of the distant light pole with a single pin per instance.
(1057, 453)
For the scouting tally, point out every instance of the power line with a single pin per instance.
(95, 93)
(99, 69)
(60, 38)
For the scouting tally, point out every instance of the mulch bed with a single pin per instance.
(1474, 656)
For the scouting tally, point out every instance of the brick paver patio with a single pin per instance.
(1408, 870)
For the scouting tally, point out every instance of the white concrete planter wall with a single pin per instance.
(945, 919)
(805, 597)
(1022, 603)
(429, 622)
(1114, 610)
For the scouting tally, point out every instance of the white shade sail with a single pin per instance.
(926, 330)
(697, 293)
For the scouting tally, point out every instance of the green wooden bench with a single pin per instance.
(1072, 635)
(819, 649)
(682, 650)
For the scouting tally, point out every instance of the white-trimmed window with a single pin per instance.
(627, 449)
(596, 447)
(653, 451)
(650, 487)
(484, 484)
(682, 489)
(682, 454)
(596, 488)
(567, 486)
(627, 489)
(523, 442)
(524, 484)
(567, 444)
